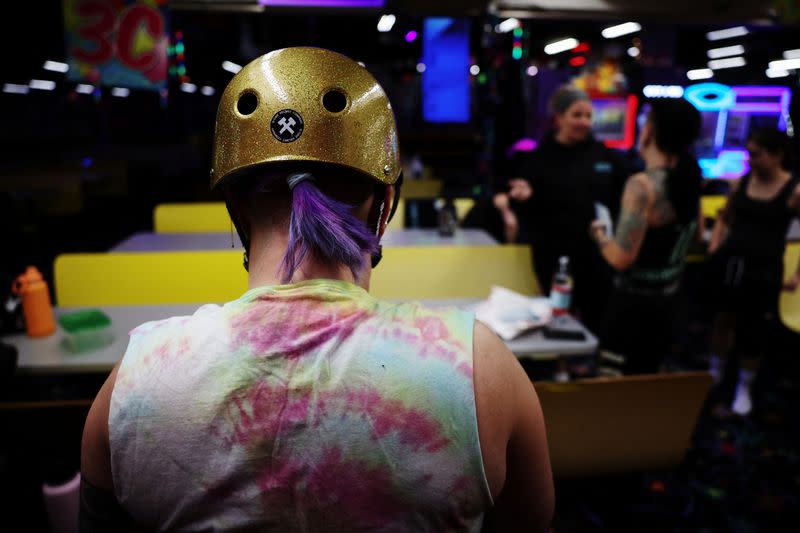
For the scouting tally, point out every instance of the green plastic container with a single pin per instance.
(86, 330)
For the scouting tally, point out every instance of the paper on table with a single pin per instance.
(509, 314)
(602, 214)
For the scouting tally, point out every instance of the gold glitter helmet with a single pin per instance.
(305, 104)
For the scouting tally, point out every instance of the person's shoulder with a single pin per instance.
(640, 181)
(203, 313)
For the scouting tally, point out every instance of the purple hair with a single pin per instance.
(327, 229)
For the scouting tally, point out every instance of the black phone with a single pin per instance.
(565, 334)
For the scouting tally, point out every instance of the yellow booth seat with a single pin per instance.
(142, 278)
(790, 301)
(710, 205)
(625, 424)
(200, 217)
(213, 216)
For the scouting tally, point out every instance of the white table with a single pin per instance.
(167, 242)
(47, 355)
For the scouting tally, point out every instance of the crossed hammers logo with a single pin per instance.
(286, 124)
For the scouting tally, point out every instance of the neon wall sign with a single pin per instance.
(732, 162)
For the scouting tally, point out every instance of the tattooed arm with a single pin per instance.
(637, 200)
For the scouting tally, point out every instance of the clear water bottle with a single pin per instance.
(561, 288)
(446, 217)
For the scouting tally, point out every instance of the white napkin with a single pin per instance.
(509, 313)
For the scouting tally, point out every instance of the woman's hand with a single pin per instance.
(599, 233)
(501, 201)
(791, 284)
(519, 190)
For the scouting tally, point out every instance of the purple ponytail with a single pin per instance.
(327, 229)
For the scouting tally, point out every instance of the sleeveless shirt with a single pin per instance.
(758, 227)
(304, 407)
(660, 262)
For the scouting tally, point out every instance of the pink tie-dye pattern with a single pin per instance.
(334, 494)
(268, 421)
(272, 331)
(263, 412)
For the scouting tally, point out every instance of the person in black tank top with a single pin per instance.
(657, 223)
(746, 262)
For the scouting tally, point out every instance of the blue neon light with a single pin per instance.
(445, 83)
(722, 126)
(728, 164)
(710, 96)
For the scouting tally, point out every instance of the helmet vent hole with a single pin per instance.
(247, 104)
(334, 101)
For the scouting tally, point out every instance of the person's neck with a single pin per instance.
(770, 175)
(655, 159)
(562, 139)
(266, 254)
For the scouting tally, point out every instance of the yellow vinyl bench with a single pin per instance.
(147, 278)
(205, 217)
(624, 424)
(789, 304)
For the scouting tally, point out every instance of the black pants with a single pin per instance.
(746, 302)
(639, 326)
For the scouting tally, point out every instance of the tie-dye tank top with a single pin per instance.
(304, 407)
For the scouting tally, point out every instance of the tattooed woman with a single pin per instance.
(657, 222)
(306, 404)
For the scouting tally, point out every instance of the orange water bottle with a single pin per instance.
(36, 307)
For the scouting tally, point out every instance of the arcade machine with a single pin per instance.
(614, 120)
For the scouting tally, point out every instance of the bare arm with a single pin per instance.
(622, 250)
(722, 223)
(510, 223)
(513, 439)
(719, 233)
(99, 509)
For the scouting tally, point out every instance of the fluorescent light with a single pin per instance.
(42, 85)
(735, 50)
(785, 64)
(663, 91)
(386, 23)
(207, 90)
(15, 88)
(737, 31)
(474, 70)
(633, 51)
(120, 92)
(776, 73)
(532, 71)
(563, 45)
(728, 62)
(792, 54)
(700, 74)
(231, 67)
(188, 87)
(421, 67)
(619, 30)
(84, 88)
(507, 25)
(55, 66)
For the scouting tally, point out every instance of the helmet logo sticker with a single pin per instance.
(287, 125)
